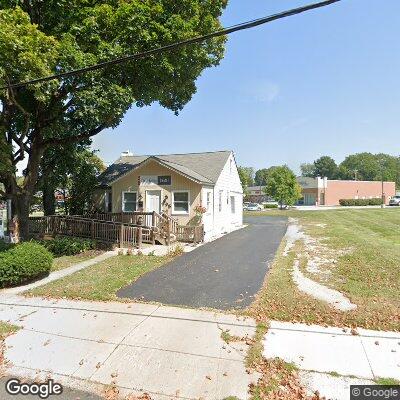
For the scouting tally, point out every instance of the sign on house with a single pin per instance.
(164, 180)
(148, 180)
(161, 180)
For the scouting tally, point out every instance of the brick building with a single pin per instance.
(323, 191)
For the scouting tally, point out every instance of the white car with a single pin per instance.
(394, 201)
(253, 207)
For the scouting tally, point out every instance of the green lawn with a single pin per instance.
(68, 261)
(101, 281)
(366, 246)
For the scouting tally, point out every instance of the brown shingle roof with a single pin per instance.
(201, 167)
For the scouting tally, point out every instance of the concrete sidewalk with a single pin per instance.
(322, 354)
(164, 351)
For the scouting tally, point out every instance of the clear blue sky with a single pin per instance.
(322, 83)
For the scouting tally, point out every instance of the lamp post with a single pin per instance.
(383, 194)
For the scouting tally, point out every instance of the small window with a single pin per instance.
(230, 165)
(233, 208)
(129, 201)
(180, 203)
(220, 200)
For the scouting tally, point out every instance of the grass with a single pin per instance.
(6, 329)
(68, 261)
(367, 248)
(387, 381)
(101, 281)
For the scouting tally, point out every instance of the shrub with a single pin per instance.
(65, 246)
(360, 202)
(270, 205)
(23, 263)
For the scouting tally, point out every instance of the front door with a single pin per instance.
(153, 201)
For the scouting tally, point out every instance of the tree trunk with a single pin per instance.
(49, 206)
(21, 217)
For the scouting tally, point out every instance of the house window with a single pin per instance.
(233, 209)
(220, 200)
(129, 201)
(230, 166)
(180, 202)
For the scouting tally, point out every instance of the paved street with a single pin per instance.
(223, 274)
(164, 351)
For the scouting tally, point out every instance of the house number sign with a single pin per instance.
(164, 180)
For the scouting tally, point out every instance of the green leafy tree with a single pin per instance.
(262, 175)
(325, 166)
(371, 167)
(308, 170)
(82, 181)
(283, 187)
(40, 38)
(75, 175)
(246, 175)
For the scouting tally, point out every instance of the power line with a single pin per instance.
(145, 54)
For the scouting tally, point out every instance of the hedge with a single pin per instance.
(65, 246)
(23, 263)
(360, 202)
(271, 205)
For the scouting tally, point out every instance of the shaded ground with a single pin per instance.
(223, 274)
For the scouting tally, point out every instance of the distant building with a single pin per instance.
(256, 194)
(328, 192)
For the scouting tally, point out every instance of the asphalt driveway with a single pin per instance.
(223, 274)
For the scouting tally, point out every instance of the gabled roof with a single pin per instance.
(201, 167)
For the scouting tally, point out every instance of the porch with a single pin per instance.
(126, 230)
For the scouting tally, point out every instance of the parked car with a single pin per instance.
(253, 207)
(394, 201)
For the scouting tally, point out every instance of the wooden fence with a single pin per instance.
(190, 234)
(124, 235)
(108, 229)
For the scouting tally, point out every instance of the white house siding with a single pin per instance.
(228, 184)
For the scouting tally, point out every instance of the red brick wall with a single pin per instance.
(337, 190)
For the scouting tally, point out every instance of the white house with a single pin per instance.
(183, 186)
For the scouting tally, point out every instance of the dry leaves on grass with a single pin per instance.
(112, 393)
(279, 381)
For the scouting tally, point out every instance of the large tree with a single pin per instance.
(75, 175)
(308, 170)
(262, 175)
(371, 167)
(246, 175)
(325, 166)
(282, 186)
(40, 38)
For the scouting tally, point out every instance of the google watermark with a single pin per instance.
(42, 390)
(374, 392)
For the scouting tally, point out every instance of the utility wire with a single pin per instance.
(145, 54)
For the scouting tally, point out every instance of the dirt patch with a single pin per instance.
(319, 258)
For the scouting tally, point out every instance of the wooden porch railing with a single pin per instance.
(190, 234)
(118, 228)
(124, 235)
(149, 219)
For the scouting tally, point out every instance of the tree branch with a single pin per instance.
(74, 139)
